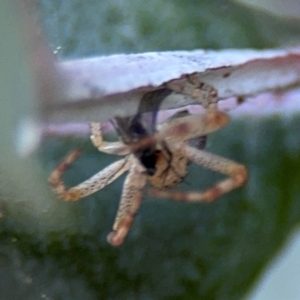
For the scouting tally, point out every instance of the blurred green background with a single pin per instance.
(84, 28)
(174, 250)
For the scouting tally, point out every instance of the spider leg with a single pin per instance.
(237, 176)
(192, 86)
(189, 127)
(92, 185)
(129, 204)
(116, 148)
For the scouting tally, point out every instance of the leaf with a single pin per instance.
(105, 86)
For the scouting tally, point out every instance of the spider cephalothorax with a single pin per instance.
(142, 127)
(165, 168)
(158, 155)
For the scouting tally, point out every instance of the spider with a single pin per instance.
(158, 155)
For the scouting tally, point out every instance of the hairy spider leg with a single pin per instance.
(130, 202)
(177, 136)
(89, 186)
(192, 126)
(99, 180)
(192, 86)
(184, 129)
(131, 195)
(237, 177)
(114, 148)
(132, 189)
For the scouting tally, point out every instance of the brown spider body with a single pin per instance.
(171, 165)
(159, 156)
(164, 168)
(170, 170)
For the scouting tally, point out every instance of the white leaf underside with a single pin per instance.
(96, 89)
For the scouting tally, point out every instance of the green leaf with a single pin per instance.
(174, 250)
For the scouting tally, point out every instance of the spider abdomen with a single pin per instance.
(170, 169)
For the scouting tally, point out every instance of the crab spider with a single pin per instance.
(171, 151)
